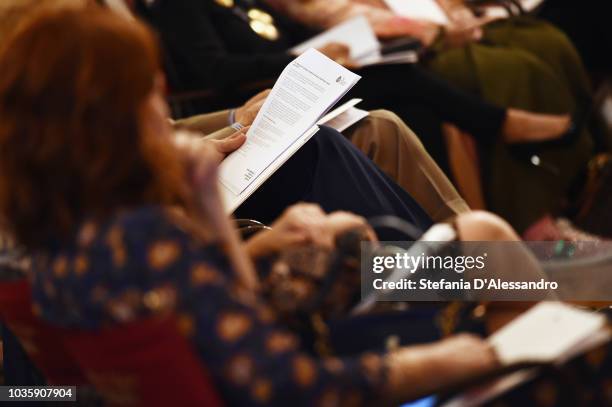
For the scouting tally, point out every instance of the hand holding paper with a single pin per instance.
(549, 333)
(304, 92)
(358, 35)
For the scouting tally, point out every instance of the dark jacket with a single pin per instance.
(208, 46)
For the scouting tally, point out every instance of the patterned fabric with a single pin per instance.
(141, 263)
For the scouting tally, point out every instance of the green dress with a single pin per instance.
(527, 64)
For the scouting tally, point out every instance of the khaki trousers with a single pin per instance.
(386, 139)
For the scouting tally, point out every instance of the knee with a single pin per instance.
(329, 141)
(389, 129)
(484, 226)
(329, 135)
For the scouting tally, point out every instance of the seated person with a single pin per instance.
(200, 39)
(95, 188)
(382, 136)
(112, 210)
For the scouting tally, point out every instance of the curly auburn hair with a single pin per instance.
(72, 82)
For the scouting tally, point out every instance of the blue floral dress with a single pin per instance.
(142, 262)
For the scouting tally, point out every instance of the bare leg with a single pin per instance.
(512, 262)
(523, 127)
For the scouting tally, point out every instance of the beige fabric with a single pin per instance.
(386, 139)
(391, 145)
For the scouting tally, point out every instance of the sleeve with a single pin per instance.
(252, 359)
(188, 32)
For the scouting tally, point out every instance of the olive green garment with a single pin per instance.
(527, 64)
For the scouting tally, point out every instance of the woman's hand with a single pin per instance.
(464, 27)
(195, 149)
(416, 371)
(246, 114)
(340, 53)
(304, 224)
(208, 212)
(228, 145)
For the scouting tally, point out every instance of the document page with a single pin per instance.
(547, 333)
(340, 119)
(232, 201)
(347, 119)
(359, 36)
(428, 10)
(356, 33)
(338, 111)
(402, 57)
(304, 92)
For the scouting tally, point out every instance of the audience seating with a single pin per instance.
(145, 363)
(40, 341)
(465, 166)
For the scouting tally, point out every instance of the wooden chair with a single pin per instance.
(464, 163)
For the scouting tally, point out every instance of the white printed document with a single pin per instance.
(359, 36)
(550, 332)
(344, 116)
(308, 87)
(428, 10)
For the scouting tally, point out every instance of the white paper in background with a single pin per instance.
(356, 33)
(546, 333)
(347, 119)
(359, 36)
(338, 111)
(428, 10)
(304, 92)
(401, 57)
(499, 12)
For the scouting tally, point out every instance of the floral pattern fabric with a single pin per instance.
(141, 263)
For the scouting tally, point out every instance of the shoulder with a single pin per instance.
(144, 223)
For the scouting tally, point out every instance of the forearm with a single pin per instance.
(418, 371)
(205, 123)
(259, 246)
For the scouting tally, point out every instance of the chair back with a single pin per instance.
(144, 363)
(40, 341)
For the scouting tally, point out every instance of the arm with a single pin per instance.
(324, 14)
(219, 125)
(251, 358)
(205, 123)
(254, 360)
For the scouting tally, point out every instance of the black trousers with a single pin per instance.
(424, 102)
(330, 171)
